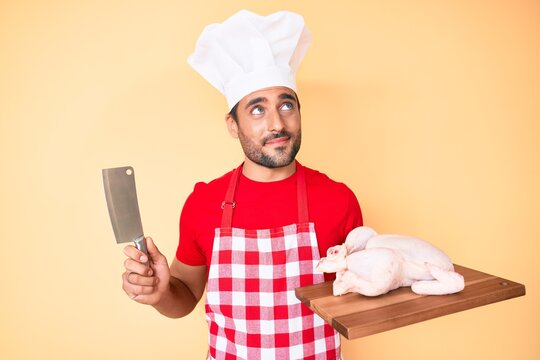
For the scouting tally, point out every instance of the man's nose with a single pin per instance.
(275, 122)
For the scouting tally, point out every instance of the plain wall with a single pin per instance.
(428, 110)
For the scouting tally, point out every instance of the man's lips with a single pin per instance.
(277, 141)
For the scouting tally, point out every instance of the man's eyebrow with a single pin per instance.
(255, 101)
(283, 96)
(287, 96)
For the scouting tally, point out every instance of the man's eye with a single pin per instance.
(287, 106)
(257, 110)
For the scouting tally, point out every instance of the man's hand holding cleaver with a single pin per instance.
(147, 273)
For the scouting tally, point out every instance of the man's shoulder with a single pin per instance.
(331, 201)
(320, 179)
(216, 187)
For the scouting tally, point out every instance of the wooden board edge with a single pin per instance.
(512, 291)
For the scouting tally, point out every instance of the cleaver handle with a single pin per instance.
(140, 244)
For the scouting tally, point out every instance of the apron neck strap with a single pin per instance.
(229, 204)
(303, 215)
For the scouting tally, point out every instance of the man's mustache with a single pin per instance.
(273, 136)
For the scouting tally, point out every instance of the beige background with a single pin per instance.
(428, 110)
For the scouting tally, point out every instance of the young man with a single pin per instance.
(253, 235)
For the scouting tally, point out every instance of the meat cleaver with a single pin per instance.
(121, 195)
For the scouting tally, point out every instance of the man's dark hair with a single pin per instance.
(234, 111)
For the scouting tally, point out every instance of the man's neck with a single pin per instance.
(256, 172)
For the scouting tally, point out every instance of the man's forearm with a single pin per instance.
(178, 301)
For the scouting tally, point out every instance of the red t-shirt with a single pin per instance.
(332, 207)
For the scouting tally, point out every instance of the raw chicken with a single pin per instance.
(372, 264)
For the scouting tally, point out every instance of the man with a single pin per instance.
(253, 235)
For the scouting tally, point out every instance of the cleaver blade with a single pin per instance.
(121, 195)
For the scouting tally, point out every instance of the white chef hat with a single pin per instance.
(249, 52)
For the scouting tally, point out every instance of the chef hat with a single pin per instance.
(249, 52)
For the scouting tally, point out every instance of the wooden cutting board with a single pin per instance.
(355, 315)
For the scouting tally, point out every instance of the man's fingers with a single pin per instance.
(133, 266)
(134, 284)
(135, 254)
(136, 279)
(141, 282)
(153, 251)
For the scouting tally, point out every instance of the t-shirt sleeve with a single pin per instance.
(354, 214)
(188, 251)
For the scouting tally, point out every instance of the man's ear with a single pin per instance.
(232, 126)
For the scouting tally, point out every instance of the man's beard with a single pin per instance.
(254, 152)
